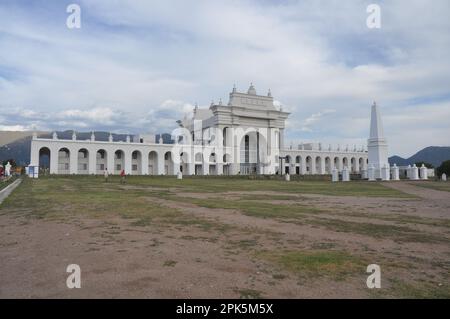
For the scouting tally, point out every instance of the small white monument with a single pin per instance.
(444, 177)
(345, 174)
(377, 144)
(414, 173)
(334, 175)
(385, 175)
(371, 173)
(364, 174)
(423, 172)
(8, 169)
(395, 173)
(287, 177)
(32, 171)
(179, 175)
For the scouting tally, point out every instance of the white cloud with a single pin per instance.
(143, 64)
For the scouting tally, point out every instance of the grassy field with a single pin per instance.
(294, 233)
(4, 184)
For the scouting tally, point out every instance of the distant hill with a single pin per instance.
(17, 145)
(432, 154)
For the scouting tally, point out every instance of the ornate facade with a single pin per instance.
(244, 136)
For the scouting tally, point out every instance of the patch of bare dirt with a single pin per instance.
(164, 260)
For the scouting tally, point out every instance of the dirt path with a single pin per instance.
(425, 193)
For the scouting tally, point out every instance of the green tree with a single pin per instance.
(444, 168)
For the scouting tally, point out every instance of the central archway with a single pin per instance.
(83, 161)
(44, 161)
(101, 162)
(136, 163)
(168, 164)
(63, 161)
(253, 153)
(328, 167)
(153, 163)
(119, 161)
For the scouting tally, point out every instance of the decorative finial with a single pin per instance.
(251, 89)
(234, 88)
(269, 94)
(220, 101)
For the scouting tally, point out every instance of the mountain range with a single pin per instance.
(434, 155)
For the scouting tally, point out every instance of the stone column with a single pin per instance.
(357, 168)
(54, 160)
(92, 164)
(73, 164)
(190, 168)
(313, 165)
(371, 173)
(127, 162)
(322, 166)
(385, 176)
(160, 163)
(395, 173)
(334, 175)
(205, 167)
(34, 161)
(303, 166)
(110, 161)
(144, 163)
(281, 144)
(345, 174)
(423, 172)
(219, 168)
(176, 165)
(414, 174)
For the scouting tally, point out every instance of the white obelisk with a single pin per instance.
(377, 144)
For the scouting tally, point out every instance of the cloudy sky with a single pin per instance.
(137, 66)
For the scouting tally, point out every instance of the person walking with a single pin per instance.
(122, 176)
(105, 173)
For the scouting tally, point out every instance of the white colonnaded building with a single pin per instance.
(244, 136)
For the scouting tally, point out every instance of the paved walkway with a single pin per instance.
(8, 189)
